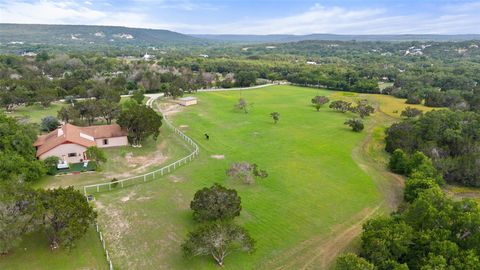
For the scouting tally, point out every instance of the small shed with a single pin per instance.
(187, 101)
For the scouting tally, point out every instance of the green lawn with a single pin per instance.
(35, 113)
(34, 254)
(314, 186)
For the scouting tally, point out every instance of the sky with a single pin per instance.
(257, 16)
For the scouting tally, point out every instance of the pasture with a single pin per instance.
(34, 253)
(324, 182)
(309, 208)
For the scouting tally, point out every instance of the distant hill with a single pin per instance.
(90, 34)
(293, 38)
(15, 38)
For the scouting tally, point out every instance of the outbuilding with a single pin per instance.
(187, 101)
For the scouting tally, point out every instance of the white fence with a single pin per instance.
(121, 183)
(102, 239)
(141, 178)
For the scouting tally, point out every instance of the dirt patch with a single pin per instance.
(218, 156)
(175, 178)
(128, 197)
(116, 229)
(170, 108)
(180, 201)
(99, 205)
(139, 164)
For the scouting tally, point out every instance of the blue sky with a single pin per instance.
(257, 17)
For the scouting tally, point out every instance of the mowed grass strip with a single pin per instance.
(313, 185)
(34, 253)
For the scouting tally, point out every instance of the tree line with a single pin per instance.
(450, 138)
(428, 231)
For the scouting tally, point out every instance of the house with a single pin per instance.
(148, 57)
(187, 101)
(70, 142)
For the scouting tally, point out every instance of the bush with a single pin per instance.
(398, 162)
(351, 261)
(70, 99)
(114, 183)
(415, 185)
(51, 165)
(49, 123)
(413, 99)
(246, 172)
(410, 112)
(417, 163)
(355, 124)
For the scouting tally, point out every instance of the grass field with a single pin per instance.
(324, 182)
(34, 254)
(35, 113)
(315, 189)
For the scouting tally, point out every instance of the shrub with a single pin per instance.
(355, 124)
(410, 112)
(351, 261)
(398, 162)
(415, 185)
(413, 99)
(51, 165)
(246, 172)
(114, 183)
(49, 123)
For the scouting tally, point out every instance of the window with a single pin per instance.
(105, 141)
(72, 154)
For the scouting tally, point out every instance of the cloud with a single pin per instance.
(184, 5)
(339, 20)
(68, 12)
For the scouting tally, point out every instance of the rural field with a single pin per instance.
(323, 181)
(34, 253)
(121, 163)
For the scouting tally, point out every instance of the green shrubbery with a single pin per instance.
(429, 231)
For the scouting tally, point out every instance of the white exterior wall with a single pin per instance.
(187, 102)
(112, 142)
(63, 150)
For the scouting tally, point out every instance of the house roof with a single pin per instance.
(84, 136)
(105, 131)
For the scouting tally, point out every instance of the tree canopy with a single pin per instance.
(218, 240)
(141, 122)
(216, 203)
